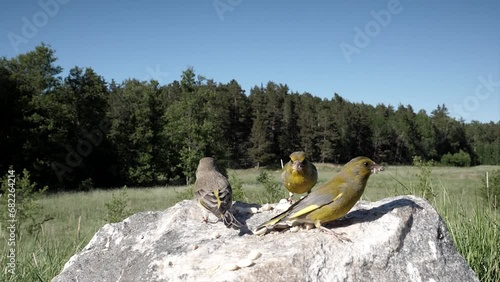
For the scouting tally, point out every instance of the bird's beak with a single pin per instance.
(296, 165)
(376, 168)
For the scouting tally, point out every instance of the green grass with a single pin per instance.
(77, 216)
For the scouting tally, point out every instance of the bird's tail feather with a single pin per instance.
(230, 221)
(273, 224)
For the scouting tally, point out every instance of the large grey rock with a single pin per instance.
(395, 239)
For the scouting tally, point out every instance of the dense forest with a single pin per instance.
(81, 130)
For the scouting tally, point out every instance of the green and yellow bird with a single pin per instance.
(299, 174)
(214, 193)
(331, 201)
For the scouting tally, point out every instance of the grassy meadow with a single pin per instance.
(75, 217)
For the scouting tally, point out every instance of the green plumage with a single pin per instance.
(331, 201)
(299, 174)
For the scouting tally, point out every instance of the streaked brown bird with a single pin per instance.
(331, 201)
(299, 174)
(214, 193)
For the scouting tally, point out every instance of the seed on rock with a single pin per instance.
(282, 206)
(309, 226)
(231, 267)
(253, 255)
(244, 263)
(266, 207)
(244, 210)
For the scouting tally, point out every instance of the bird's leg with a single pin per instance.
(340, 236)
(210, 221)
(204, 213)
(290, 195)
(206, 216)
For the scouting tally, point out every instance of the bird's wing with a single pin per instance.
(225, 193)
(206, 196)
(304, 206)
(214, 194)
(314, 173)
(313, 202)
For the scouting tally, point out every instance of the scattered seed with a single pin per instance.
(266, 207)
(282, 206)
(244, 263)
(253, 255)
(245, 210)
(231, 267)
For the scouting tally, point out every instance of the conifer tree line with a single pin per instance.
(80, 129)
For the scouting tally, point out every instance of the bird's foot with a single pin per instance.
(206, 221)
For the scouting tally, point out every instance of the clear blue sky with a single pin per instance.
(427, 53)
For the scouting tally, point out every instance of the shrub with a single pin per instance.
(273, 189)
(86, 185)
(460, 159)
(117, 208)
(28, 215)
(237, 186)
(424, 187)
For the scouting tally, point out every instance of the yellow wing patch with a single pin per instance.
(274, 221)
(304, 211)
(311, 208)
(338, 196)
(216, 193)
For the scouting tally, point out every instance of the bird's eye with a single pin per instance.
(365, 163)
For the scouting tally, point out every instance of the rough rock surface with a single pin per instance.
(395, 239)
